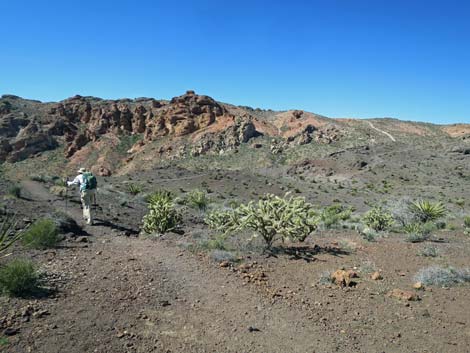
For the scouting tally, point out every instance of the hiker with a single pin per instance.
(87, 183)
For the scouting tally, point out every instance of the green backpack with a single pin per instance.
(89, 181)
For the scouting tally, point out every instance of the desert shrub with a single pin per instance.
(419, 232)
(134, 189)
(42, 234)
(400, 210)
(429, 251)
(378, 219)
(60, 182)
(333, 214)
(18, 278)
(8, 236)
(369, 234)
(440, 224)
(426, 211)
(159, 195)
(466, 222)
(219, 255)
(198, 199)
(15, 191)
(216, 243)
(442, 276)
(325, 278)
(58, 190)
(162, 217)
(38, 177)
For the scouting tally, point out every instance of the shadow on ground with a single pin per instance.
(306, 253)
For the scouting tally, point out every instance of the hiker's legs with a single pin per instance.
(92, 200)
(86, 202)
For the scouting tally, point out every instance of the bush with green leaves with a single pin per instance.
(198, 199)
(426, 211)
(159, 195)
(429, 251)
(162, 216)
(15, 191)
(378, 219)
(42, 234)
(134, 189)
(8, 235)
(466, 222)
(18, 278)
(332, 215)
(290, 218)
(369, 234)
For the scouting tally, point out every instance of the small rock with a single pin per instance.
(253, 329)
(404, 295)
(41, 313)
(82, 239)
(224, 264)
(418, 285)
(376, 276)
(165, 303)
(10, 331)
(344, 278)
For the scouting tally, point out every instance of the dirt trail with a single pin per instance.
(137, 295)
(383, 132)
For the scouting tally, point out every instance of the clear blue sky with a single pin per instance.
(351, 58)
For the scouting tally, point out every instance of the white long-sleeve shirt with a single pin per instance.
(77, 181)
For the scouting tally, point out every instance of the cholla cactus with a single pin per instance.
(378, 219)
(291, 218)
(162, 217)
(222, 220)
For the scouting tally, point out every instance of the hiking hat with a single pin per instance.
(81, 170)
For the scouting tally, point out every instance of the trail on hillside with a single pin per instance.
(382, 131)
(127, 294)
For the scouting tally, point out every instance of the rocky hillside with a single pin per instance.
(118, 135)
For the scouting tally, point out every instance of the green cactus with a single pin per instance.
(291, 218)
(378, 219)
(162, 216)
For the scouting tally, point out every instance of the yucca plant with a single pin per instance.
(427, 211)
(134, 189)
(159, 195)
(198, 199)
(8, 236)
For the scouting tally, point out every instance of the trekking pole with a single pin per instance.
(66, 192)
